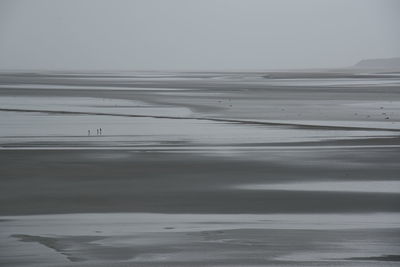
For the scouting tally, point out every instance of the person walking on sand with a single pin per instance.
(88, 132)
(100, 131)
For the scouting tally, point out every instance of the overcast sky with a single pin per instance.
(195, 34)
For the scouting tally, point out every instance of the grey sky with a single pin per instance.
(195, 34)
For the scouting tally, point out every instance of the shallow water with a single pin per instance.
(52, 130)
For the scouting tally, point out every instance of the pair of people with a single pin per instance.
(99, 132)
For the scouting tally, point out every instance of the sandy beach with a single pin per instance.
(200, 169)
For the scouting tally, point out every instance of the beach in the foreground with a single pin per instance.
(194, 169)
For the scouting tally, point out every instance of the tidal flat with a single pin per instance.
(200, 169)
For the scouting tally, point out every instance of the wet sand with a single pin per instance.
(141, 239)
(200, 157)
(43, 181)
